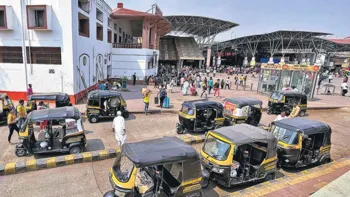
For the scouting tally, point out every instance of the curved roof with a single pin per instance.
(203, 103)
(49, 96)
(244, 101)
(158, 151)
(308, 126)
(290, 93)
(198, 25)
(103, 93)
(55, 113)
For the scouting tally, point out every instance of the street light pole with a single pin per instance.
(24, 51)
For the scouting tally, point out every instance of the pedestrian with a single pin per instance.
(106, 85)
(214, 72)
(11, 122)
(29, 91)
(198, 78)
(204, 90)
(21, 113)
(222, 84)
(162, 95)
(344, 88)
(205, 80)
(98, 86)
(42, 123)
(281, 116)
(182, 81)
(236, 79)
(146, 96)
(185, 88)
(227, 83)
(119, 129)
(208, 71)
(245, 80)
(134, 79)
(330, 77)
(241, 79)
(102, 86)
(210, 84)
(172, 84)
(217, 88)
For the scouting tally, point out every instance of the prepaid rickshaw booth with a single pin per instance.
(301, 78)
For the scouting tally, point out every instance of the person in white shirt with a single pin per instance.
(344, 88)
(119, 129)
(330, 77)
(281, 116)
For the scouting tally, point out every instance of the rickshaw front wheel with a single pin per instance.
(75, 150)
(126, 114)
(93, 119)
(21, 152)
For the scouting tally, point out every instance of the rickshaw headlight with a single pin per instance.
(218, 170)
(233, 173)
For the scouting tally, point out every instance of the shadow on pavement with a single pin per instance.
(94, 145)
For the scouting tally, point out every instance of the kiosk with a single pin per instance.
(301, 78)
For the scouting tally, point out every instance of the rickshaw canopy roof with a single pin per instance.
(203, 104)
(241, 134)
(55, 113)
(49, 96)
(290, 93)
(2, 95)
(97, 94)
(307, 126)
(244, 101)
(159, 151)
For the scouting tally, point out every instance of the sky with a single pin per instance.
(259, 16)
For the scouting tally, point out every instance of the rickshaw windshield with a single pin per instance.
(216, 148)
(277, 96)
(1, 107)
(186, 109)
(122, 168)
(285, 135)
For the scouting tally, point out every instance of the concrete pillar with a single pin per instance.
(245, 61)
(282, 60)
(154, 30)
(208, 57)
(270, 60)
(252, 62)
(145, 33)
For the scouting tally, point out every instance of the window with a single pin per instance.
(11, 55)
(120, 30)
(44, 55)
(115, 27)
(110, 23)
(123, 168)
(99, 32)
(115, 39)
(37, 17)
(2, 18)
(186, 109)
(84, 5)
(99, 15)
(109, 34)
(84, 28)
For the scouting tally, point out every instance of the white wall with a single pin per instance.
(38, 74)
(126, 62)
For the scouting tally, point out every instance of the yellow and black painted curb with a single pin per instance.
(52, 162)
(267, 187)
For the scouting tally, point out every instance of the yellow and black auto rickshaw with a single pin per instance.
(238, 154)
(283, 101)
(159, 167)
(105, 104)
(66, 136)
(59, 99)
(5, 107)
(302, 142)
(200, 116)
(243, 110)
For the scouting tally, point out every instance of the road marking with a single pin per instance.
(31, 164)
(69, 159)
(10, 168)
(51, 162)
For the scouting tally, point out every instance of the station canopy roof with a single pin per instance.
(284, 39)
(198, 25)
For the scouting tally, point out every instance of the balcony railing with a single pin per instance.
(128, 45)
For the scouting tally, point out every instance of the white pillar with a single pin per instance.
(208, 57)
(282, 60)
(270, 60)
(245, 61)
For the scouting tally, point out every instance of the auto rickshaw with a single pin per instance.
(66, 136)
(159, 167)
(5, 107)
(243, 110)
(238, 154)
(283, 101)
(200, 116)
(60, 100)
(302, 142)
(105, 104)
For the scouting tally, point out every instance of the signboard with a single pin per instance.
(313, 68)
(295, 51)
(229, 108)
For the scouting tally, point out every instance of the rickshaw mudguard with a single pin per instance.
(24, 134)
(129, 185)
(229, 158)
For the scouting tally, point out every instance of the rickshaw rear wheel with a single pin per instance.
(269, 111)
(205, 183)
(75, 150)
(21, 152)
(179, 131)
(270, 176)
(93, 119)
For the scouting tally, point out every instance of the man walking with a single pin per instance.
(11, 122)
(134, 79)
(217, 88)
(162, 95)
(21, 113)
(227, 83)
(29, 91)
(210, 84)
(119, 129)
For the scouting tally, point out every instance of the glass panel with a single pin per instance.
(307, 83)
(297, 81)
(2, 18)
(269, 80)
(122, 168)
(285, 79)
(285, 135)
